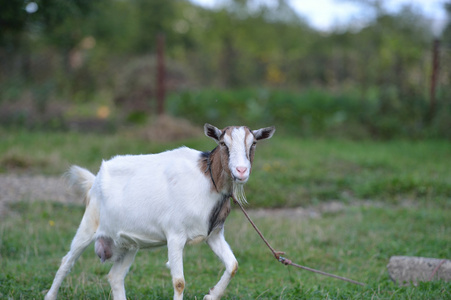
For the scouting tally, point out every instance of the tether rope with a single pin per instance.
(287, 262)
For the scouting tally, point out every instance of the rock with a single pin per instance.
(408, 269)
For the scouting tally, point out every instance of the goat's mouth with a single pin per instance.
(239, 180)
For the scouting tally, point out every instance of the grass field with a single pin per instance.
(356, 242)
(287, 172)
(397, 199)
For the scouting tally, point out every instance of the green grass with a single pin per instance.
(53, 152)
(355, 242)
(303, 172)
(287, 171)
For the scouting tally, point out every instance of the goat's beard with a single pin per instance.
(238, 193)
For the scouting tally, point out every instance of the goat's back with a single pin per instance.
(149, 195)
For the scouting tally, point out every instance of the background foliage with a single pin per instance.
(98, 54)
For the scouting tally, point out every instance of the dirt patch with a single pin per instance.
(15, 187)
(300, 212)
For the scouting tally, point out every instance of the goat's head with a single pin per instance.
(237, 147)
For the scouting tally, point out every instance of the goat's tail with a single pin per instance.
(82, 180)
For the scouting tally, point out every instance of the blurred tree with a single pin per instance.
(13, 18)
(62, 24)
(115, 28)
(55, 23)
(241, 43)
(446, 35)
(154, 17)
(252, 40)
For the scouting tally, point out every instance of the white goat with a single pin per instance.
(173, 198)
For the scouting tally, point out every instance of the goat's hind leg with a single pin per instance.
(220, 247)
(118, 272)
(83, 237)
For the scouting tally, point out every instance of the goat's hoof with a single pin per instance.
(211, 297)
(49, 297)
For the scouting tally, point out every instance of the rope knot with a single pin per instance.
(285, 261)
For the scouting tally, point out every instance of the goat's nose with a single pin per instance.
(241, 170)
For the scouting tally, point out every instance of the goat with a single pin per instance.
(173, 198)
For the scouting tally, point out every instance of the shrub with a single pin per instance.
(316, 112)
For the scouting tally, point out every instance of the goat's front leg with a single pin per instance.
(218, 244)
(175, 263)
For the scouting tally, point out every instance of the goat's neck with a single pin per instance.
(218, 171)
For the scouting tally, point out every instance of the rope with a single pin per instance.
(287, 262)
(436, 269)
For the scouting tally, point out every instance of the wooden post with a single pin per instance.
(160, 74)
(434, 76)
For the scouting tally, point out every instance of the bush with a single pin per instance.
(315, 112)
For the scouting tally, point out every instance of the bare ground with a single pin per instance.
(18, 187)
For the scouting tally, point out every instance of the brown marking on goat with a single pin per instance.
(215, 165)
(248, 132)
(226, 130)
(179, 285)
(196, 240)
(96, 223)
(251, 150)
(211, 164)
(234, 270)
(211, 291)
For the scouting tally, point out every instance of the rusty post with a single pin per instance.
(434, 76)
(160, 74)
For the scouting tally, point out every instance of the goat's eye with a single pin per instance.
(254, 143)
(222, 144)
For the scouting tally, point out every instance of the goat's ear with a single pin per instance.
(264, 133)
(212, 132)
